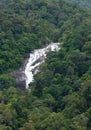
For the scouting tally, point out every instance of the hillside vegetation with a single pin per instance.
(60, 97)
(82, 3)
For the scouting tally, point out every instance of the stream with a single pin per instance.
(36, 58)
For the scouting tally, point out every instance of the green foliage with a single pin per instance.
(32, 24)
(82, 3)
(60, 96)
(6, 81)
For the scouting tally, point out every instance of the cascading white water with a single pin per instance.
(36, 58)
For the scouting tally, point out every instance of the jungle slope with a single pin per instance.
(60, 96)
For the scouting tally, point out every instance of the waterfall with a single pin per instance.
(36, 58)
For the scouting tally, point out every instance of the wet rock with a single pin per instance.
(20, 79)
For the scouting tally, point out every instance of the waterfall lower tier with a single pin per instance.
(36, 58)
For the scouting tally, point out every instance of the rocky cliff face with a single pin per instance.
(19, 74)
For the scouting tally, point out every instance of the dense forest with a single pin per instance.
(60, 96)
(82, 3)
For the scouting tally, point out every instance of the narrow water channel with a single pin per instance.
(36, 58)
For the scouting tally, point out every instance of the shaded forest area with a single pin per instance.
(82, 3)
(60, 97)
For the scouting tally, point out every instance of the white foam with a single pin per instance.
(36, 58)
